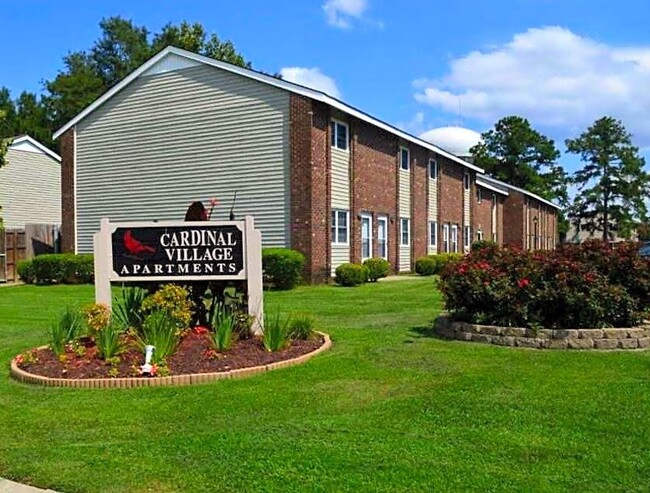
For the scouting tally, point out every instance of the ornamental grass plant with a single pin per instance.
(66, 328)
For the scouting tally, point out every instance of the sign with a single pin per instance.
(197, 250)
(180, 251)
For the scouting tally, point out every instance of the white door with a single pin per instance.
(366, 237)
(382, 237)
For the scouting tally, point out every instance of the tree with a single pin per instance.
(516, 153)
(4, 142)
(612, 184)
(121, 49)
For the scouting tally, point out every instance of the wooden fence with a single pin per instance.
(20, 244)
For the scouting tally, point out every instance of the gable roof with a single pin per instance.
(505, 185)
(28, 144)
(266, 79)
(480, 181)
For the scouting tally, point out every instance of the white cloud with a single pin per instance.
(311, 77)
(552, 76)
(341, 13)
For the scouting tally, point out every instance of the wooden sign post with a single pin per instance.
(180, 251)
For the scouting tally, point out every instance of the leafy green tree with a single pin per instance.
(516, 153)
(612, 184)
(122, 48)
(32, 119)
(4, 143)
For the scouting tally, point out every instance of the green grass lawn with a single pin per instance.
(388, 408)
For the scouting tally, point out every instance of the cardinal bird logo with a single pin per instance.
(133, 246)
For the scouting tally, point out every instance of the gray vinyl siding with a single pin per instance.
(340, 255)
(30, 189)
(192, 134)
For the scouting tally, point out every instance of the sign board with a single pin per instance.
(177, 252)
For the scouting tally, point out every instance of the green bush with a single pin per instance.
(351, 274)
(66, 328)
(282, 267)
(276, 332)
(26, 271)
(61, 268)
(426, 266)
(301, 327)
(378, 268)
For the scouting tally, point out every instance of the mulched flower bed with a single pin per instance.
(193, 355)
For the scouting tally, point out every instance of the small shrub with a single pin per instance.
(302, 327)
(426, 266)
(282, 267)
(173, 300)
(378, 268)
(161, 331)
(223, 324)
(109, 341)
(127, 310)
(62, 268)
(98, 317)
(351, 274)
(484, 245)
(63, 330)
(26, 271)
(276, 332)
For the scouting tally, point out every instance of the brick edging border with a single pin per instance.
(604, 339)
(173, 380)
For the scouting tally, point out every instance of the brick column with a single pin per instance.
(68, 226)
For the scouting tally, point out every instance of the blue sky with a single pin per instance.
(561, 63)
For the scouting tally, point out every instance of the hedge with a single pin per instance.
(282, 267)
(378, 268)
(434, 264)
(60, 268)
(351, 274)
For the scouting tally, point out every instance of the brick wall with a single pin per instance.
(419, 209)
(450, 197)
(67, 192)
(309, 155)
(482, 213)
(513, 220)
(374, 185)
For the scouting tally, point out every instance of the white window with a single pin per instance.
(479, 235)
(405, 232)
(366, 236)
(445, 238)
(479, 194)
(466, 181)
(467, 237)
(404, 158)
(433, 233)
(340, 235)
(433, 169)
(494, 237)
(382, 237)
(454, 238)
(339, 135)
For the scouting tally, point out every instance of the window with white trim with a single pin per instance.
(433, 233)
(340, 230)
(405, 232)
(479, 195)
(404, 158)
(445, 238)
(382, 237)
(454, 238)
(479, 235)
(494, 237)
(467, 237)
(339, 135)
(466, 181)
(433, 169)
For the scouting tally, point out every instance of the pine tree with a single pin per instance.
(612, 184)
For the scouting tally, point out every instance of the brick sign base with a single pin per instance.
(102, 383)
(621, 338)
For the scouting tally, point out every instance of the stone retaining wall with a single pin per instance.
(624, 338)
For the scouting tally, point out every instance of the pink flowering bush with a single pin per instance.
(586, 286)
